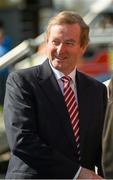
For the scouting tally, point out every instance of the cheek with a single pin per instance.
(75, 52)
(50, 48)
(50, 52)
(78, 52)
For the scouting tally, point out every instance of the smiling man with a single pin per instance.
(53, 113)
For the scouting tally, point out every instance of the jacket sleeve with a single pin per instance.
(107, 139)
(32, 157)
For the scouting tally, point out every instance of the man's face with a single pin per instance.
(63, 47)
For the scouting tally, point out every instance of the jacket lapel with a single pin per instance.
(52, 90)
(82, 92)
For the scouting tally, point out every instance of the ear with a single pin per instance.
(46, 38)
(83, 49)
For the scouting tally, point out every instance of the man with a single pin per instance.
(51, 135)
(107, 140)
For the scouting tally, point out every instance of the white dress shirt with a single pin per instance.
(72, 75)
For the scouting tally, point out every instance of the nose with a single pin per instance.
(61, 48)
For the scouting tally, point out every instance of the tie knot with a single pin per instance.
(66, 79)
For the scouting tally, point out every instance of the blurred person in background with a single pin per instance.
(50, 133)
(107, 140)
(5, 46)
(5, 40)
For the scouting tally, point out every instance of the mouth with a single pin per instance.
(60, 58)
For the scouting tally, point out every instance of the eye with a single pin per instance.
(70, 43)
(56, 42)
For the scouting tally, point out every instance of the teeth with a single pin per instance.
(61, 58)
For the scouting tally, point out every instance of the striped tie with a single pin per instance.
(72, 107)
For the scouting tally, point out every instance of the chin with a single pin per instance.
(57, 64)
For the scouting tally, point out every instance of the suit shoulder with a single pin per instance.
(90, 80)
(23, 77)
(27, 73)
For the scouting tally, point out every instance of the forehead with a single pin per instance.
(65, 30)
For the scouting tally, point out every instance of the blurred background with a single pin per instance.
(22, 26)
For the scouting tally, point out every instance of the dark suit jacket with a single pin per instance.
(107, 141)
(38, 126)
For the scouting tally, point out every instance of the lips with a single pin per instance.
(60, 57)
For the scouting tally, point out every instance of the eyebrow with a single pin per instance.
(70, 40)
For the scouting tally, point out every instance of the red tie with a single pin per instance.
(72, 107)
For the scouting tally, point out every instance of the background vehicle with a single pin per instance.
(98, 60)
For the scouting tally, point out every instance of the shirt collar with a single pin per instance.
(59, 74)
